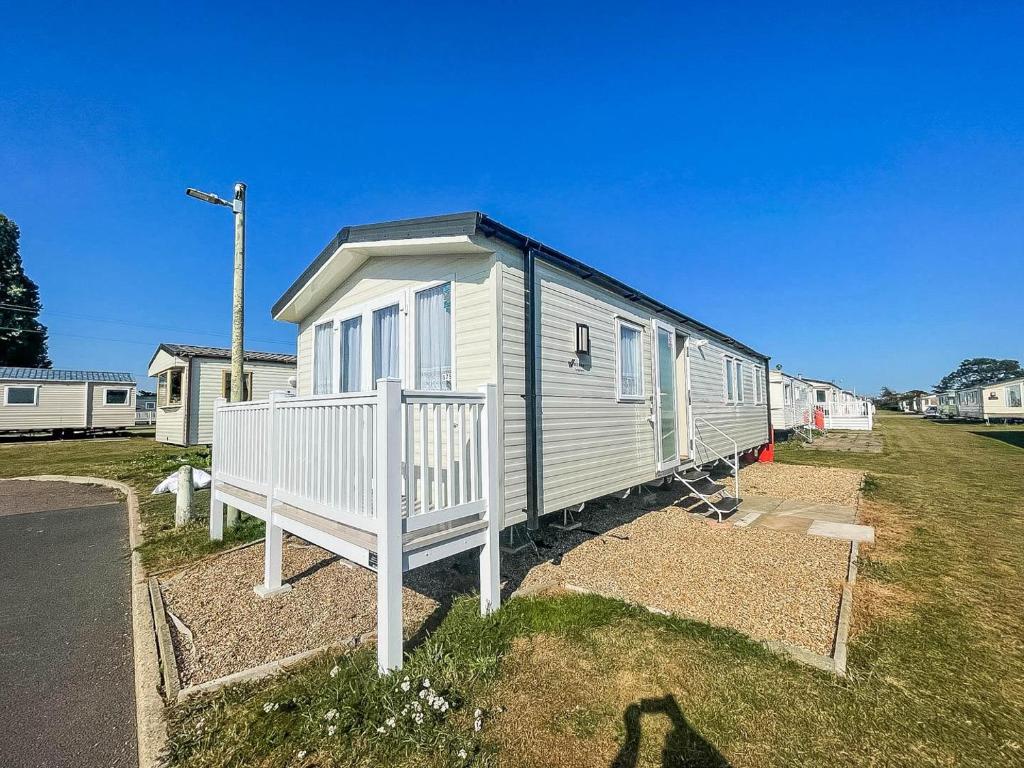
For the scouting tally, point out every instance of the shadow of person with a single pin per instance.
(683, 745)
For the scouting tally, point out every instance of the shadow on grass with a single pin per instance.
(1014, 437)
(683, 745)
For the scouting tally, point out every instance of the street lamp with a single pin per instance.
(237, 207)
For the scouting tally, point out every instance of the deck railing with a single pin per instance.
(410, 477)
(853, 414)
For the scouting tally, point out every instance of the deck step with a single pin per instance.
(707, 487)
(693, 475)
(728, 504)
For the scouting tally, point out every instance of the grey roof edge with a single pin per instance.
(21, 373)
(221, 353)
(474, 222)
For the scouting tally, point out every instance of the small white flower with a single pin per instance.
(444, 707)
(331, 714)
(462, 754)
(301, 754)
(478, 724)
(390, 722)
(478, 713)
(380, 729)
(426, 683)
(405, 684)
(335, 670)
(418, 718)
(423, 694)
(331, 729)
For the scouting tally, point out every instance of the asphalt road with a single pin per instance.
(66, 674)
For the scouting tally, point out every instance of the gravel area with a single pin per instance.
(822, 485)
(767, 584)
(330, 603)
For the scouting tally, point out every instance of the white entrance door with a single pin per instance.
(666, 411)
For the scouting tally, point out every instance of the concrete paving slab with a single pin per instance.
(788, 524)
(845, 531)
(760, 503)
(814, 511)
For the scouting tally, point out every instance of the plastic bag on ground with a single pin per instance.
(200, 479)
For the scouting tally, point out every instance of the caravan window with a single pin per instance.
(225, 385)
(758, 386)
(386, 356)
(433, 343)
(739, 381)
(118, 396)
(323, 358)
(629, 360)
(21, 396)
(787, 394)
(351, 340)
(168, 387)
(1013, 396)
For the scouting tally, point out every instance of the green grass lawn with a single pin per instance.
(936, 659)
(141, 463)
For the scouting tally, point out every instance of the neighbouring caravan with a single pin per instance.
(626, 390)
(948, 408)
(63, 402)
(791, 402)
(968, 402)
(1002, 401)
(189, 379)
(923, 402)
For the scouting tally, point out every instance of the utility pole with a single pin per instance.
(237, 206)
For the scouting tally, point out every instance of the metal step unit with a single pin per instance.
(700, 484)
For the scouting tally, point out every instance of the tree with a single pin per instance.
(980, 370)
(22, 336)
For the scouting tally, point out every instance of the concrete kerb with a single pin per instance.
(151, 725)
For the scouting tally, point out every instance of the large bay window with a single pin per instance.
(168, 387)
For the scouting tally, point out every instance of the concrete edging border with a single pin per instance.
(150, 722)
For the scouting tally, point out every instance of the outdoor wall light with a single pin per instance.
(582, 339)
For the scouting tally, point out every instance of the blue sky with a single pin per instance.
(841, 188)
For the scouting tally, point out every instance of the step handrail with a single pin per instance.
(735, 463)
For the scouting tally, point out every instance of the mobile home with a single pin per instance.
(63, 402)
(190, 378)
(948, 408)
(968, 401)
(1002, 401)
(923, 402)
(791, 402)
(456, 378)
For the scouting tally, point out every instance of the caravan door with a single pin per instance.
(666, 387)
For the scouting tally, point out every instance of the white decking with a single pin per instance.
(389, 479)
(855, 414)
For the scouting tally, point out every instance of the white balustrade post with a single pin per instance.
(388, 511)
(274, 544)
(216, 506)
(490, 556)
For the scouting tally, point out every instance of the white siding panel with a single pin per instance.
(209, 374)
(58, 405)
(102, 415)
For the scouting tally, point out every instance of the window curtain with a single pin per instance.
(385, 344)
(351, 353)
(323, 358)
(730, 390)
(629, 361)
(434, 338)
(739, 382)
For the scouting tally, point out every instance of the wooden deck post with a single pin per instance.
(490, 557)
(273, 546)
(216, 506)
(183, 497)
(388, 511)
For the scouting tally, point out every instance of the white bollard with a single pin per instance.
(183, 503)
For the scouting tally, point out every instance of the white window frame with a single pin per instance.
(787, 393)
(1006, 395)
(335, 363)
(127, 397)
(656, 326)
(414, 351)
(619, 397)
(35, 395)
(758, 385)
(732, 366)
(740, 394)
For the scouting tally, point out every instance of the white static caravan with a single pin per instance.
(968, 403)
(841, 409)
(62, 401)
(190, 378)
(791, 399)
(1002, 400)
(455, 378)
(923, 402)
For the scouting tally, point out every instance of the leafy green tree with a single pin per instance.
(980, 370)
(22, 336)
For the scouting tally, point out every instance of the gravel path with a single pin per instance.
(767, 584)
(331, 602)
(823, 485)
